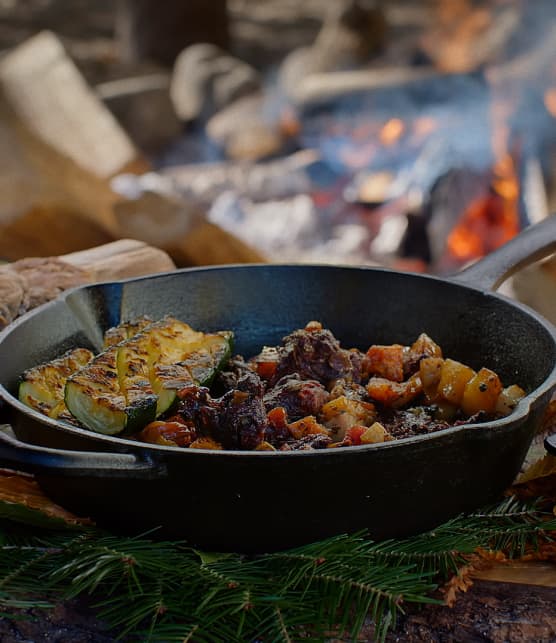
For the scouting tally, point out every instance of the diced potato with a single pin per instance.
(453, 380)
(430, 369)
(481, 392)
(306, 426)
(375, 433)
(386, 361)
(394, 394)
(340, 414)
(424, 347)
(508, 399)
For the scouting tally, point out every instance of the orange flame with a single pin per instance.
(391, 131)
(492, 219)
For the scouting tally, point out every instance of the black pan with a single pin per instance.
(262, 501)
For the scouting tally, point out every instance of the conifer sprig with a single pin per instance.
(167, 591)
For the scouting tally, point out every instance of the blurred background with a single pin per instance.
(417, 136)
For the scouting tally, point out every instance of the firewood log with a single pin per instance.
(27, 283)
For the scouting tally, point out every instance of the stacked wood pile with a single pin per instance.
(60, 147)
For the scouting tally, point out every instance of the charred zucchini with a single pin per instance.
(195, 361)
(125, 330)
(42, 387)
(133, 382)
(94, 396)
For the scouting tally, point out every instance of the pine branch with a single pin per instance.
(164, 591)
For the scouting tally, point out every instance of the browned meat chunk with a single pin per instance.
(299, 397)
(237, 420)
(315, 354)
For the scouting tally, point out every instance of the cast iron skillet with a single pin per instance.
(261, 501)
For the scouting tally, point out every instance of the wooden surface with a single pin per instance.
(534, 573)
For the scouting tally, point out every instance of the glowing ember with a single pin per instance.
(392, 131)
(550, 101)
(492, 219)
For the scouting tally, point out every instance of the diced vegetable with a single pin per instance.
(453, 380)
(424, 347)
(394, 394)
(306, 426)
(386, 361)
(266, 362)
(430, 369)
(481, 392)
(374, 434)
(42, 387)
(508, 399)
(340, 414)
(168, 433)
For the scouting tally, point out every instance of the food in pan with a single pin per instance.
(136, 380)
(164, 383)
(43, 387)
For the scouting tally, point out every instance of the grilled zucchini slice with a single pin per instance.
(125, 330)
(42, 387)
(199, 362)
(94, 396)
(134, 381)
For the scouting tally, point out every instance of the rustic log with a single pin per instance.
(142, 105)
(27, 283)
(64, 133)
(181, 229)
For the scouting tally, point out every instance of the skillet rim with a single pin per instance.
(519, 414)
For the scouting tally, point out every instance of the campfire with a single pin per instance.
(417, 137)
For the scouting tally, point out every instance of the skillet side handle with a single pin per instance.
(534, 243)
(30, 458)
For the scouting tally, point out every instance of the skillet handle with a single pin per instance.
(534, 243)
(35, 459)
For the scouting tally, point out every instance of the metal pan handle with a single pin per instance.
(35, 459)
(534, 243)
